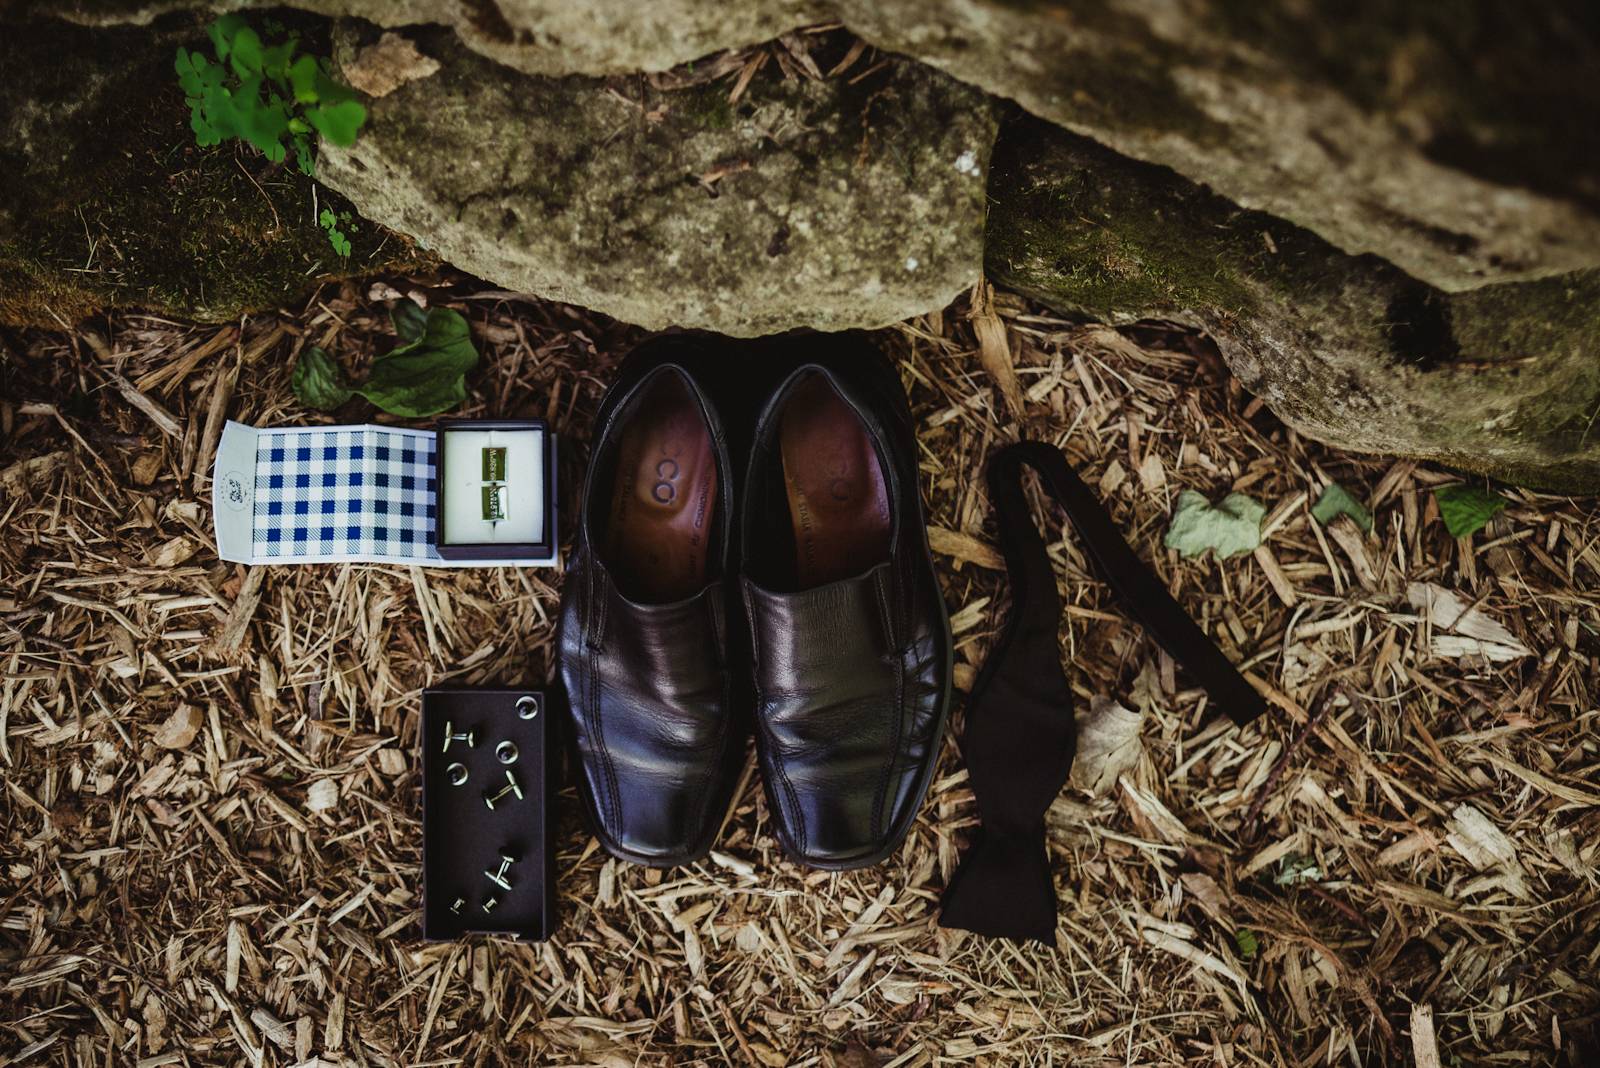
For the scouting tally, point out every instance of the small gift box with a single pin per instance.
(470, 494)
(494, 484)
(487, 782)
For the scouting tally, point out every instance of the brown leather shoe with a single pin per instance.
(657, 728)
(850, 636)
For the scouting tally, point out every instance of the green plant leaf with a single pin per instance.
(427, 375)
(1337, 501)
(339, 123)
(188, 65)
(205, 135)
(409, 318)
(218, 112)
(422, 377)
(275, 60)
(303, 78)
(340, 243)
(260, 91)
(222, 32)
(1247, 942)
(1467, 509)
(245, 55)
(318, 381)
(261, 125)
(1229, 528)
(328, 89)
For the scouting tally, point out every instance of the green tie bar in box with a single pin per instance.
(494, 464)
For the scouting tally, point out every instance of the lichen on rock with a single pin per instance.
(830, 203)
(1504, 379)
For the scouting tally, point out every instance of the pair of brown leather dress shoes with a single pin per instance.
(752, 548)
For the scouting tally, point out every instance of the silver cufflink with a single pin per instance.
(452, 736)
(488, 906)
(499, 877)
(457, 905)
(506, 753)
(457, 773)
(527, 706)
(511, 787)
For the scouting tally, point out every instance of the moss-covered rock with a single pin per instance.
(105, 199)
(844, 202)
(1455, 139)
(1503, 380)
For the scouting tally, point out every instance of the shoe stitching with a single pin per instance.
(702, 795)
(766, 731)
(607, 766)
(897, 708)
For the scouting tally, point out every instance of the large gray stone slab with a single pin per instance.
(832, 204)
(1502, 380)
(1456, 140)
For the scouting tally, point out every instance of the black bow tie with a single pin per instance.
(1020, 738)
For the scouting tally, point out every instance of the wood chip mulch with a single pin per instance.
(209, 833)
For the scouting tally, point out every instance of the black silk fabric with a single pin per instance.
(1020, 738)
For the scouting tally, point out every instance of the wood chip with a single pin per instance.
(260, 884)
(1108, 745)
(1424, 1044)
(323, 795)
(180, 728)
(965, 548)
(384, 66)
(994, 349)
(1475, 633)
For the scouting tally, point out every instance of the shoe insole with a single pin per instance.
(662, 507)
(838, 501)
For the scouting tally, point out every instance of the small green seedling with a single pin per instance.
(335, 225)
(266, 95)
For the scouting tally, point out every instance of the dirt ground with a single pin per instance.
(209, 820)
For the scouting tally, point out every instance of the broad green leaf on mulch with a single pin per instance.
(1337, 501)
(409, 318)
(1467, 509)
(318, 381)
(424, 376)
(1229, 528)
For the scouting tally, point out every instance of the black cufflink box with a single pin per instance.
(488, 771)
